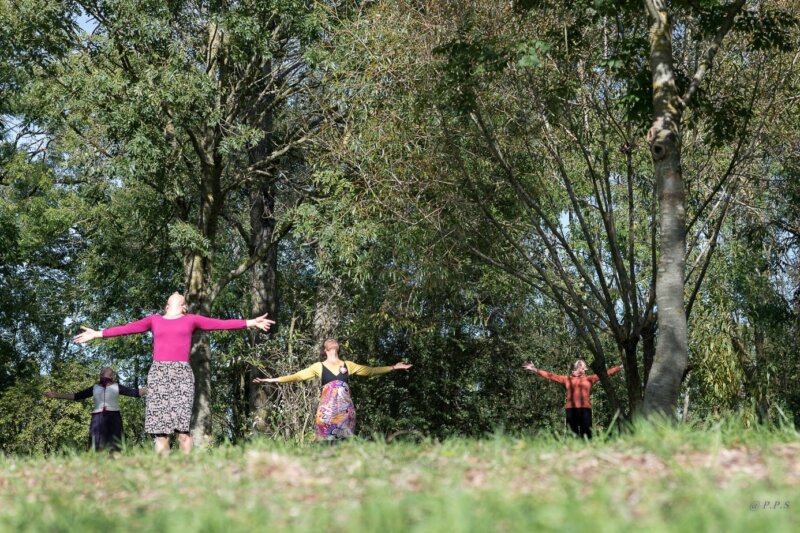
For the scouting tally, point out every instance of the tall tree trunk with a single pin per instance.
(664, 137)
(264, 276)
(671, 357)
(263, 290)
(759, 340)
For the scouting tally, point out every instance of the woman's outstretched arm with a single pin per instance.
(80, 395)
(361, 370)
(314, 371)
(88, 334)
(547, 375)
(129, 391)
(594, 378)
(207, 324)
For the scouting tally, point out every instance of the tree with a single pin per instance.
(182, 108)
(37, 209)
(670, 104)
(520, 142)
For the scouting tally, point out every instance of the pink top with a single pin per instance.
(172, 338)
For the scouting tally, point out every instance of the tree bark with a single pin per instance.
(762, 399)
(197, 266)
(632, 378)
(648, 348)
(671, 355)
(327, 311)
(263, 290)
(197, 300)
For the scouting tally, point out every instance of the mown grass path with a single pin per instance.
(654, 480)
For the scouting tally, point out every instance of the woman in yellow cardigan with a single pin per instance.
(336, 415)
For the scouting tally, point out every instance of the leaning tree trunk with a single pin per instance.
(671, 357)
(598, 365)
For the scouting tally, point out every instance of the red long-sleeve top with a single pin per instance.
(172, 337)
(578, 388)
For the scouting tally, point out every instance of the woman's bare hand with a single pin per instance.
(86, 335)
(260, 322)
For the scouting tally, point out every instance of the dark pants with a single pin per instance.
(579, 420)
(105, 431)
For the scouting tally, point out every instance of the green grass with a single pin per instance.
(654, 479)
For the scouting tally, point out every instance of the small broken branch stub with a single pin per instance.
(658, 150)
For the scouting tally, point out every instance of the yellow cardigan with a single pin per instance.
(354, 369)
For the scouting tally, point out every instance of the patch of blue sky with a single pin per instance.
(86, 22)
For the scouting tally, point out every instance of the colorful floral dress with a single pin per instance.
(336, 414)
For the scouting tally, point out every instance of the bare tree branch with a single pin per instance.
(711, 52)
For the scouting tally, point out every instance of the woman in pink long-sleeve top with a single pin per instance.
(170, 382)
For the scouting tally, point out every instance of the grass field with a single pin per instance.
(656, 479)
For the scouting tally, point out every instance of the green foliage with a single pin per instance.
(717, 369)
(184, 235)
(38, 249)
(531, 53)
(771, 28)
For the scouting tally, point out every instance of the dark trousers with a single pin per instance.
(579, 420)
(105, 431)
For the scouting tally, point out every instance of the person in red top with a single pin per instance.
(579, 388)
(170, 381)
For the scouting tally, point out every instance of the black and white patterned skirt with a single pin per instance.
(170, 396)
